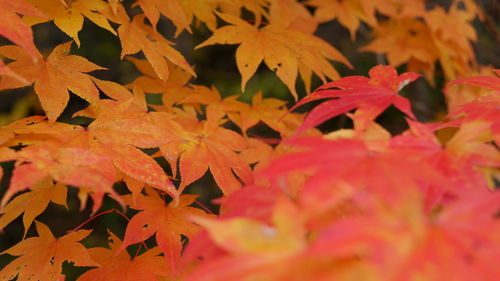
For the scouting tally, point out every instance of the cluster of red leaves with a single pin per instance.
(354, 204)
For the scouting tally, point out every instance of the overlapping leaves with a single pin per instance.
(355, 204)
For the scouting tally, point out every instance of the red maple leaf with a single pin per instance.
(371, 96)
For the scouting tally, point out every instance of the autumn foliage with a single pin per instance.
(350, 203)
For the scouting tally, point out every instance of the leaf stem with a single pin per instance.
(92, 218)
(203, 207)
(138, 249)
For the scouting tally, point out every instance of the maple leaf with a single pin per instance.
(194, 95)
(206, 145)
(68, 15)
(282, 50)
(489, 82)
(41, 257)
(348, 13)
(180, 12)
(7, 132)
(118, 132)
(483, 108)
(265, 110)
(470, 140)
(62, 152)
(121, 104)
(13, 28)
(151, 83)
(455, 53)
(69, 165)
(198, 156)
(4, 70)
(257, 7)
(170, 9)
(87, 158)
(371, 96)
(405, 40)
(169, 222)
(456, 245)
(252, 247)
(460, 95)
(270, 111)
(252, 202)
(258, 152)
(114, 91)
(456, 160)
(245, 236)
(33, 203)
(116, 126)
(292, 15)
(53, 77)
(121, 267)
(362, 170)
(136, 36)
(446, 243)
(138, 165)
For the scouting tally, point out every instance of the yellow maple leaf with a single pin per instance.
(68, 15)
(180, 12)
(282, 50)
(349, 13)
(135, 36)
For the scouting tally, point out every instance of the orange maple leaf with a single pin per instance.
(42, 257)
(150, 82)
(452, 32)
(118, 132)
(69, 165)
(7, 132)
(13, 28)
(5, 71)
(116, 126)
(53, 77)
(270, 111)
(349, 13)
(292, 15)
(404, 40)
(138, 165)
(169, 222)
(204, 145)
(76, 156)
(121, 267)
(135, 36)
(33, 203)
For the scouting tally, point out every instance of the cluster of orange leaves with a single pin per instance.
(353, 204)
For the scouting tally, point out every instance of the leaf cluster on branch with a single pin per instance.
(354, 203)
